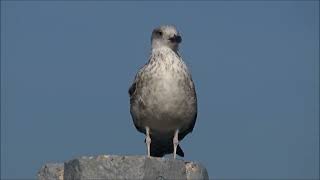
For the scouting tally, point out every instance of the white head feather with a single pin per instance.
(166, 36)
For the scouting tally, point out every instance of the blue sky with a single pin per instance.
(66, 68)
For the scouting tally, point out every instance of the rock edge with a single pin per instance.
(123, 167)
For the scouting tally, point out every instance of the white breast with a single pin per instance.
(165, 94)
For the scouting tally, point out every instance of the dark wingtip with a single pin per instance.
(132, 89)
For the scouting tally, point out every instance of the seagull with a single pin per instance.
(163, 101)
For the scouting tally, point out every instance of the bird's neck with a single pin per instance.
(164, 50)
(165, 57)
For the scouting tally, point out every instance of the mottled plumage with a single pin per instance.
(162, 97)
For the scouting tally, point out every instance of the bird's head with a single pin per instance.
(167, 36)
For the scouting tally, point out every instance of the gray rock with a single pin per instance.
(123, 167)
(52, 171)
(196, 171)
(132, 167)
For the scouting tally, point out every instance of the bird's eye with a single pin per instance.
(159, 33)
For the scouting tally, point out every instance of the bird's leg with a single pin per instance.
(148, 140)
(175, 143)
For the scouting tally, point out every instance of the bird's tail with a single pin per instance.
(159, 150)
(179, 151)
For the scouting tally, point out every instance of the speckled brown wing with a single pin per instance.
(134, 101)
(190, 129)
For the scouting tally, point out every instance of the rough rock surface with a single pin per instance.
(130, 167)
(52, 171)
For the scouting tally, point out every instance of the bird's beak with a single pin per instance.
(176, 39)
